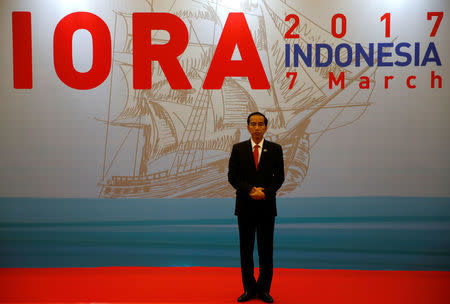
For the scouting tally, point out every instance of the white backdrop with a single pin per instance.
(53, 137)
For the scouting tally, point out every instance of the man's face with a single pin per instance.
(257, 128)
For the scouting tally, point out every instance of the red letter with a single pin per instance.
(364, 83)
(439, 16)
(332, 80)
(101, 49)
(289, 34)
(144, 52)
(408, 82)
(294, 76)
(343, 26)
(22, 55)
(387, 31)
(236, 32)
(386, 81)
(435, 77)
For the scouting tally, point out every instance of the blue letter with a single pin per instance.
(416, 53)
(399, 52)
(329, 55)
(382, 54)
(287, 55)
(431, 49)
(337, 54)
(359, 51)
(307, 59)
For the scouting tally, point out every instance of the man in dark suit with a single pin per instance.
(256, 171)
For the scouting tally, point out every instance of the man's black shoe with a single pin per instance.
(265, 297)
(246, 296)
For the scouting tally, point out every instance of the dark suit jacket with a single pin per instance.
(243, 176)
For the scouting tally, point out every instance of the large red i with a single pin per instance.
(22, 54)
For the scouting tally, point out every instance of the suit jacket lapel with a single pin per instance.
(250, 154)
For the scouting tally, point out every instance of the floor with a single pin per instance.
(181, 285)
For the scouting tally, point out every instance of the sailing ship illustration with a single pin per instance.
(182, 139)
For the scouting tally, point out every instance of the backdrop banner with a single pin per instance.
(144, 99)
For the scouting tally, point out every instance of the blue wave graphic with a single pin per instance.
(381, 233)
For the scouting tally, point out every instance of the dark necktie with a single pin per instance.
(256, 156)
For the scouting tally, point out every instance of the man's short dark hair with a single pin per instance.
(257, 113)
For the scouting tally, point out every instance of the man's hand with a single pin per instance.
(257, 193)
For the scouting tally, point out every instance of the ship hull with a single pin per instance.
(208, 181)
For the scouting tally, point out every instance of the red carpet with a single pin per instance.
(219, 285)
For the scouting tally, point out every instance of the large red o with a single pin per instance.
(101, 48)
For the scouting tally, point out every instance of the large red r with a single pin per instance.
(144, 52)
